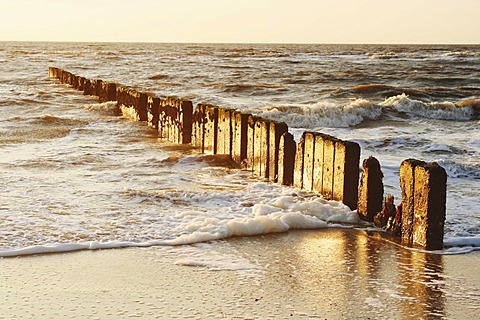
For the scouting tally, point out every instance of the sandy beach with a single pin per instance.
(325, 274)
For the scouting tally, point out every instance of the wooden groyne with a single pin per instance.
(319, 162)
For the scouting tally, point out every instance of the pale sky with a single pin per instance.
(244, 21)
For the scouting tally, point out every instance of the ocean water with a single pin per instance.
(76, 175)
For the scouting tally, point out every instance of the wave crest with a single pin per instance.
(432, 110)
(323, 114)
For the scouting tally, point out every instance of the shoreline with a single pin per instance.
(327, 274)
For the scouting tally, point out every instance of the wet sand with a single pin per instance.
(324, 274)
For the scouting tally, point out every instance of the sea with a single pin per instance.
(76, 175)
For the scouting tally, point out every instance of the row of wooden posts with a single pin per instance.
(319, 162)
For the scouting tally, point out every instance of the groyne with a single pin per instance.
(319, 163)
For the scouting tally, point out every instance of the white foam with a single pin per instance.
(322, 114)
(460, 170)
(431, 110)
(437, 147)
(108, 107)
(279, 215)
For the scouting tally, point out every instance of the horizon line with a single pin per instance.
(249, 43)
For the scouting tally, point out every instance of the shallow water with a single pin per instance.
(324, 274)
(75, 175)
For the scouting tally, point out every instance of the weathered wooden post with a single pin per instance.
(111, 94)
(308, 161)
(81, 83)
(286, 159)
(346, 171)
(198, 127)
(328, 166)
(74, 82)
(429, 206)
(260, 147)
(142, 110)
(185, 121)
(224, 133)
(318, 163)
(211, 124)
(87, 90)
(277, 129)
(251, 123)
(407, 185)
(264, 148)
(97, 88)
(240, 140)
(106, 91)
(153, 105)
(370, 191)
(298, 167)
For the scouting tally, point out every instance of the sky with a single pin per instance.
(242, 21)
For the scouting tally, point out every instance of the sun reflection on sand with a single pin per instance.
(381, 279)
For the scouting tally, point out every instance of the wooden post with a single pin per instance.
(142, 109)
(153, 104)
(308, 154)
(224, 131)
(111, 94)
(298, 168)
(345, 176)
(97, 88)
(318, 163)
(370, 191)
(87, 90)
(260, 146)
(211, 123)
(162, 120)
(286, 159)
(74, 82)
(407, 185)
(198, 127)
(185, 121)
(328, 167)
(239, 134)
(430, 196)
(81, 83)
(264, 149)
(251, 142)
(277, 129)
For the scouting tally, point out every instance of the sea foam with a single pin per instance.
(280, 214)
(322, 114)
(431, 110)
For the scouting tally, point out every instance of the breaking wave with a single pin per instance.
(322, 114)
(334, 115)
(459, 170)
(431, 110)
